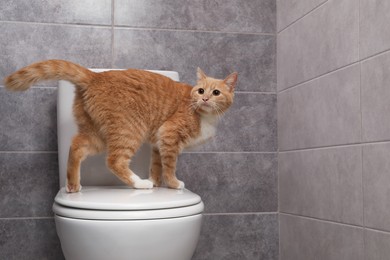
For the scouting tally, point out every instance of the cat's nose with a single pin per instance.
(205, 99)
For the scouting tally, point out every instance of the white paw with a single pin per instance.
(143, 184)
(180, 186)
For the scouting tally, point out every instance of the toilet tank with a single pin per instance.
(93, 170)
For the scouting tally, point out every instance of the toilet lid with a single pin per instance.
(123, 203)
(124, 198)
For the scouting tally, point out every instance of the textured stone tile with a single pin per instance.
(377, 245)
(28, 184)
(325, 184)
(291, 10)
(376, 181)
(57, 11)
(22, 44)
(374, 29)
(249, 125)
(324, 40)
(28, 120)
(231, 182)
(233, 237)
(29, 239)
(302, 238)
(229, 15)
(218, 54)
(322, 112)
(375, 77)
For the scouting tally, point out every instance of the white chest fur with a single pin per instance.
(208, 126)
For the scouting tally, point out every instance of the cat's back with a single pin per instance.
(149, 95)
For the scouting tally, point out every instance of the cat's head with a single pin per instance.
(213, 96)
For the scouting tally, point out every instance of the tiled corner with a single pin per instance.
(227, 15)
(303, 238)
(374, 29)
(375, 78)
(244, 237)
(57, 11)
(249, 125)
(322, 183)
(29, 183)
(231, 182)
(218, 54)
(88, 46)
(29, 239)
(28, 120)
(292, 10)
(376, 179)
(324, 40)
(322, 112)
(377, 245)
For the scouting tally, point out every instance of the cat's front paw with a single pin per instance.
(143, 184)
(72, 188)
(179, 185)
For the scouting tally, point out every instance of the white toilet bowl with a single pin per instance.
(121, 223)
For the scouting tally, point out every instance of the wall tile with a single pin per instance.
(231, 182)
(375, 77)
(228, 15)
(28, 120)
(302, 238)
(322, 112)
(325, 40)
(291, 10)
(377, 245)
(56, 11)
(217, 54)
(89, 46)
(325, 184)
(374, 29)
(29, 183)
(376, 167)
(243, 237)
(29, 239)
(249, 125)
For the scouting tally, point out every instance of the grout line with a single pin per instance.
(319, 76)
(255, 92)
(189, 30)
(220, 152)
(322, 220)
(240, 213)
(300, 18)
(337, 146)
(26, 218)
(61, 24)
(53, 152)
(112, 32)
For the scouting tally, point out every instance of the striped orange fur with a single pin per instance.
(119, 110)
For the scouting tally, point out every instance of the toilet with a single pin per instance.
(107, 220)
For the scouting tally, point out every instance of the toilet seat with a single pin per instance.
(123, 203)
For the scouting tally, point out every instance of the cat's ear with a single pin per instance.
(200, 74)
(231, 81)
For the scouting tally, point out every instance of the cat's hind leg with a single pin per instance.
(155, 174)
(82, 146)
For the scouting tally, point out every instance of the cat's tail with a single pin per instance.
(48, 70)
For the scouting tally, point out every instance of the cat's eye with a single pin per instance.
(201, 91)
(216, 92)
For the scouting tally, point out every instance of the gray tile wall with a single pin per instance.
(334, 129)
(236, 173)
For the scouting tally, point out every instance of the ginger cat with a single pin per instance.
(119, 110)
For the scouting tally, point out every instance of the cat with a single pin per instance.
(118, 110)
